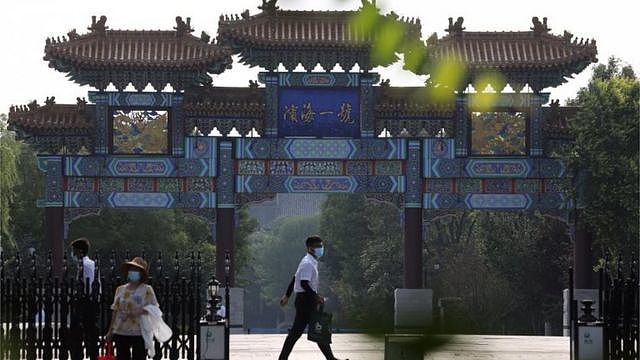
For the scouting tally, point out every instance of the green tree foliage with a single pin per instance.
(20, 187)
(27, 218)
(363, 261)
(246, 226)
(9, 149)
(605, 156)
(381, 264)
(504, 271)
(344, 227)
(148, 231)
(531, 253)
(475, 298)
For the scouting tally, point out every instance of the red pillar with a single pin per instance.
(225, 229)
(54, 236)
(413, 278)
(583, 275)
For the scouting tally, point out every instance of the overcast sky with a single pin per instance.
(27, 23)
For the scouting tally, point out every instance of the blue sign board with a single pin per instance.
(319, 112)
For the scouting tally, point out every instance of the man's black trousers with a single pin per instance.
(84, 327)
(305, 304)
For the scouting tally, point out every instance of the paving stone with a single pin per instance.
(362, 347)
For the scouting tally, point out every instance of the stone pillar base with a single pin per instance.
(413, 309)
(578, 295)
(403, 346)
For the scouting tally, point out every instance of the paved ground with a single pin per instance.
(361, 347)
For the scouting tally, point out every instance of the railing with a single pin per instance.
(619, 287)
(618, 313)
(36, 309)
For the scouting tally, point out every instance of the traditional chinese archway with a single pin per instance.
(318, 131)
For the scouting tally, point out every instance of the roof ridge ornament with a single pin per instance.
(98, 27)
(456, 28)
(567, 36)
(81, 104)
(205, 37)
(539, 27)
(73, 34)
(432, 40)
(33, 105)
(269, 6)
(183, 28)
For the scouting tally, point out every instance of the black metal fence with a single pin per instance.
(618, 314)
(37, 309)
(619, 294)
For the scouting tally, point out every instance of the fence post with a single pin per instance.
(173, 354)
(158, 288)
(636, 305)
(16, 341)
(47, 334)
(168, 301)
(627, 314)
(63, 331)
(190, 310)
(198, 292)
(572, 332)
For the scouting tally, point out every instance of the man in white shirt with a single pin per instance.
(83, 312)
(305, 284)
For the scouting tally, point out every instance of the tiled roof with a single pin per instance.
(528, 53)
(514, 50)
(307, 37)
(125, 49)
(141, 56)
(52, 118)
(297, 29)
(410, 102)
(224, 102)
(225, 108)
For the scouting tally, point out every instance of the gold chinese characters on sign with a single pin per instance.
(345, 113)
(308, 114)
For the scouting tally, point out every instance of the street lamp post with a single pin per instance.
(214, 300)
(212, 325)
(227, 268)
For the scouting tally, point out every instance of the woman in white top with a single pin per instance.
(128, 306)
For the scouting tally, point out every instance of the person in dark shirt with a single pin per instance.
(84, 314)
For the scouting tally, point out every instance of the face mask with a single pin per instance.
(133, 276)
(73, 257)
(319, 252)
